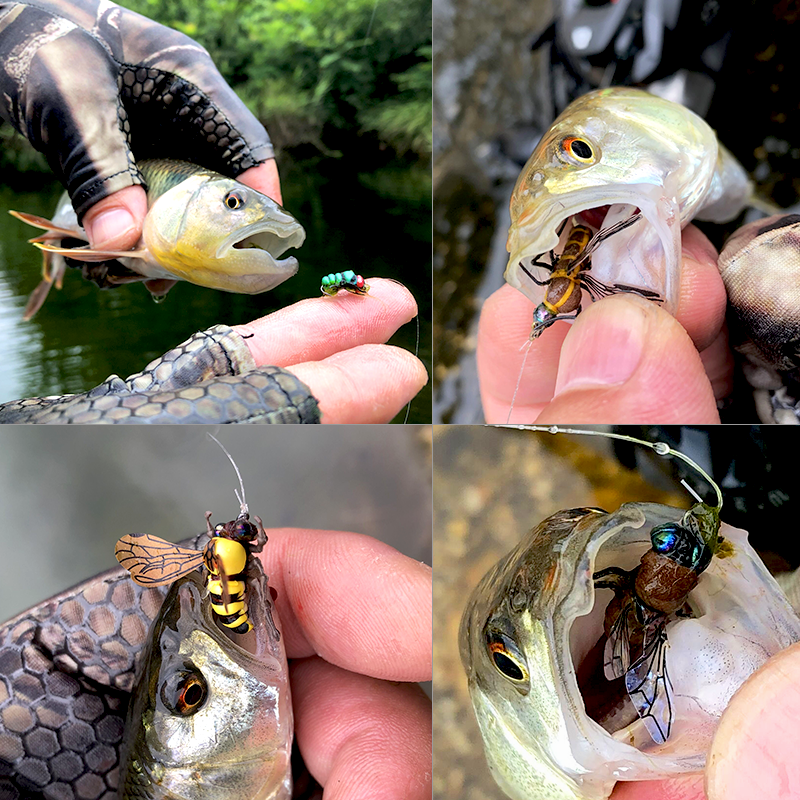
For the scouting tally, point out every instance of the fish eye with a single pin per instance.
(184, 692)
(507, 658)
(234, 199)
(579, 149)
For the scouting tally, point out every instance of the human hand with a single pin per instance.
(623, 360)
(336, 347)
(86, 76)
(356, 616)
(754, 752)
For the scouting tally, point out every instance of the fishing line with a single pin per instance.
(661, 448)
(242, 501)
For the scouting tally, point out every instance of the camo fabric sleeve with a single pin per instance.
(91, 84)
(210, 378)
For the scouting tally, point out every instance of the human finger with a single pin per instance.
(115, 222)
(368, 384)
(265, 179)
(627, 360)
(684, 787)
(504, 346)
(353, 600)
(754, 752)
(319, 327)
(362, 738)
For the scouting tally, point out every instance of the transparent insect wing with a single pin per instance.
(648, 684)
(617, 652)
(155, 562)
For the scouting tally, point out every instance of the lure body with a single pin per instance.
(152, 561)
(347, 280)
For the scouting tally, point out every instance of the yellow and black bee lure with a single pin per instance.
(155, 562)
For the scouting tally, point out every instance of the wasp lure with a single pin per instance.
(152, 561)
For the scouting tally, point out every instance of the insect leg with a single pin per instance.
(208, 524)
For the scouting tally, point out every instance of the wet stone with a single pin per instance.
(17, 719)
(88, 707)
(67, 766)
(41, 743)
(77, 736)
(102, 621)
(34, 770)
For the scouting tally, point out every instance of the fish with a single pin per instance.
(611, 154)
(200, 227)
(532, 643)
(210, 714)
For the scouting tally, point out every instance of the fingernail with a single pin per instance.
(604, 348)
(111, 225)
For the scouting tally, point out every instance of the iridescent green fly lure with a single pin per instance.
(347, 280)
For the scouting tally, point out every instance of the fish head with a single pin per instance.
(209, 713)
(614, 148)
(216, 232)
(530, 638)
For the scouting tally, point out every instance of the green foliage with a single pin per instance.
(311, 68)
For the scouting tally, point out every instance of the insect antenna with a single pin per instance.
(242, 501)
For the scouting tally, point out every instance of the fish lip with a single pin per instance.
(287, 234)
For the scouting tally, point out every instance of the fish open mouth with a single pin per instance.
(271, 237)
(635, 246)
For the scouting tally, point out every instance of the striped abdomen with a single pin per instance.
(225, 560)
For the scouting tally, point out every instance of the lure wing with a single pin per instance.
(154, 562)
(617, 652)
(649, 686)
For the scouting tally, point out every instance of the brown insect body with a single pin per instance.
(563, 287)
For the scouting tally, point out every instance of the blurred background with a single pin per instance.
(505, 70)
(493, 485)
(344, 90)
(69, 492)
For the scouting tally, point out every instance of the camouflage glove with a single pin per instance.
(78, 76)
(210, 378)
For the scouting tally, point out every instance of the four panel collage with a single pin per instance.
(507, 296)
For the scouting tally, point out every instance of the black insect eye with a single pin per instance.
(665, 538)
(507, 658)
(578, 148)
(234, 199)
(184, 692)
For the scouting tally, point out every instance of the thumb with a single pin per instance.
(627, 360)
(115, 222)
(754, 752)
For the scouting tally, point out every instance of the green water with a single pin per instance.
(377, 224)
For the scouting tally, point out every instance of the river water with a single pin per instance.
(82, 334)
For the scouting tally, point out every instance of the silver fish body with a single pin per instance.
(538, 738)
(646, 153)
(235, 743)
